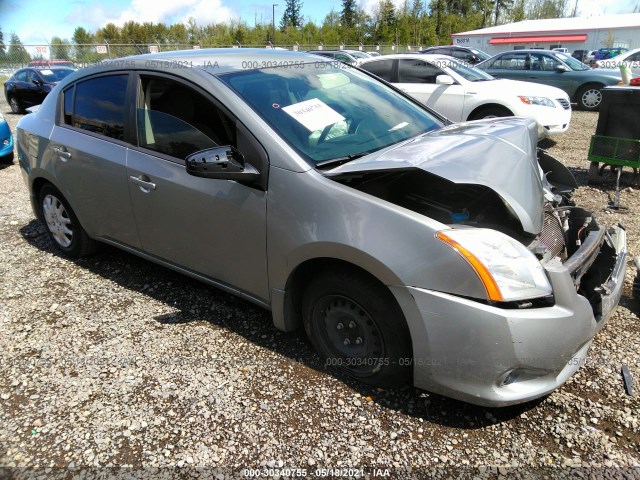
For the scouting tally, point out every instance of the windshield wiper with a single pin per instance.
(335, 162)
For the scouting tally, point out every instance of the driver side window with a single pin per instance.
(176, 120)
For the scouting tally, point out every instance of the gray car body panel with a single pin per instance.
(306, 215)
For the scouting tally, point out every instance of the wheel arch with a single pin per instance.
(488, 106)
(286, 304)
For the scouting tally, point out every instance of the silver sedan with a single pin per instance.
(412, 250)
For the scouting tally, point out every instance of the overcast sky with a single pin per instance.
(36, 21)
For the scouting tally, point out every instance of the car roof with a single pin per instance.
(215, 61)
(433, 57)
(530, 50)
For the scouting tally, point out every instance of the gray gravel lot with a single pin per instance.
(114, 362)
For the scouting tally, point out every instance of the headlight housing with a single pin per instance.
(508, 271)
(541, 101)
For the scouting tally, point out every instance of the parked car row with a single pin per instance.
(460, 92)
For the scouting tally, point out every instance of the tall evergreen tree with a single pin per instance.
(60, 49)
(3, 48)
(17, 52)
(292, 16)
(348, 13)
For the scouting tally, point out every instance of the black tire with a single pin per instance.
(490, 112)
(7, 159)
(63, 227)
(356, 326)
(589, 98)
(15, 104)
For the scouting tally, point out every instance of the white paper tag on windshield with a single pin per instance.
(46, 72)
(314, 114)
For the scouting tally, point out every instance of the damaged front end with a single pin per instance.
(485, 175)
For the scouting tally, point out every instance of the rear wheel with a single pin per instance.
(63, 226)
(589, 97)
(16, 106)
(491, 112)
(355, 324)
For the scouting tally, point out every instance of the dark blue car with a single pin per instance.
(29, 86)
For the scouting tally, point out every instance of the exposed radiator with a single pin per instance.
(552, 235)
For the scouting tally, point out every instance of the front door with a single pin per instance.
(216, 228)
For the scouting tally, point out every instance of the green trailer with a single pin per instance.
(614, 151)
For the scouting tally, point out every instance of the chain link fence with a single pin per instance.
(81, 55)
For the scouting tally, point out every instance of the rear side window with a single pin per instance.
(99, 105)
(382, 69)
(21, 76)
(417, 71)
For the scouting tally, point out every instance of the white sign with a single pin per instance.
(101, 49)
(463, 40)
(153, 49)
(235, 46)
(196, 47)
(314, 114)
(296, 47)
(42, 49)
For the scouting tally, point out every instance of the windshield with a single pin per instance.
(482, 56)
(357, 54)
(328, 111)
(54, 75)
(571, 62)
(468, 72)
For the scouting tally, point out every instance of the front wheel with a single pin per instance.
(355, 324)
(589, 98)
(64, 229)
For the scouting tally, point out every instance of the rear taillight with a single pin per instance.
(635, 82)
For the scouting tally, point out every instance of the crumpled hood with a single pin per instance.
(498, 153)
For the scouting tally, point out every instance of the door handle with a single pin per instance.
(143, 182)
(62, 153)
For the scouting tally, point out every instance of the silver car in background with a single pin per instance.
(412, 250)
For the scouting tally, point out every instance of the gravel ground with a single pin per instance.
(114, 365)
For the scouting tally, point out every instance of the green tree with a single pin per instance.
(83, 48)
(109, 34)
(292, 14)
(3, 48)
(348, 14)
(60, 49)
(17, 52)
(501, 5)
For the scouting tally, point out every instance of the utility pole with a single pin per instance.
(273, 22)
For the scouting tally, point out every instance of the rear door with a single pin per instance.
(214, 227)
(88, 151)
(418, 79)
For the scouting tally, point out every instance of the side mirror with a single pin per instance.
(37, 82)
(225, 163)
(444, 80)
(561, 68)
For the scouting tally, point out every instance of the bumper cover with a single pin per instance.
(493, 356)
